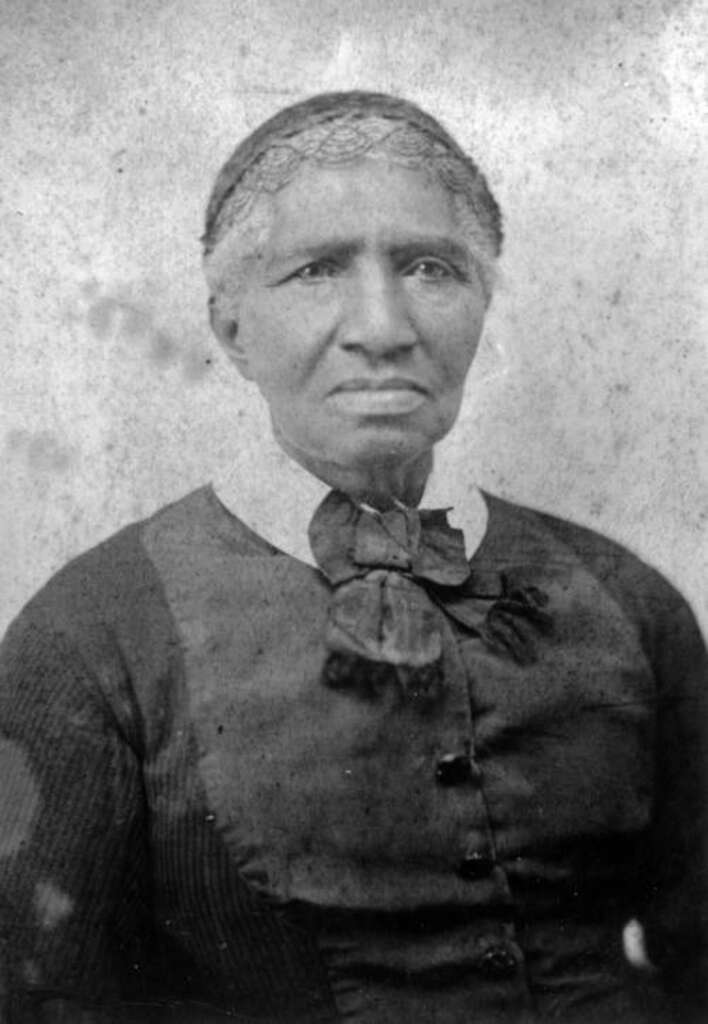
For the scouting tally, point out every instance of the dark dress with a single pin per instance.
(194, 825)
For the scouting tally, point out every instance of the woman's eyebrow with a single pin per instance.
(325, 248)
(441, 246)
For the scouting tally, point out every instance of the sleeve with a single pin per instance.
(676, 889)
(73, 846)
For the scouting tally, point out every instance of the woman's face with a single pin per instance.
(361, 316)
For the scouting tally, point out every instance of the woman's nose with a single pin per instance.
(376, 318)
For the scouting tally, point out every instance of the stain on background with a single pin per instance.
(588, 398)
(116, 319)
(42, 452)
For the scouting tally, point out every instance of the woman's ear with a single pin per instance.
(225, 328)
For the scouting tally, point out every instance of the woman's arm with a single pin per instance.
(676, 919)
(74, 905)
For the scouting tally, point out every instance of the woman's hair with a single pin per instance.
(330, 130)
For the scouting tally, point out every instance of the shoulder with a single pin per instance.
(99, 582)
(110, 596)
(538, 533)
(522, 533)
(100, 629)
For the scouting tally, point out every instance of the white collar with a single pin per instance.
(276, 497)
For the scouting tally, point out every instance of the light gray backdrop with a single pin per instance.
(589, 395)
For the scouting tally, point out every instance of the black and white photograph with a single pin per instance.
(354, 519)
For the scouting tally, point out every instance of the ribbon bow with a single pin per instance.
(381, 619)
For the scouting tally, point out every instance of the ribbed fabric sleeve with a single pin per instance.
(75, 871)
(73, 881)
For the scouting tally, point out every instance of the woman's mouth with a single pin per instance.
(389, 396)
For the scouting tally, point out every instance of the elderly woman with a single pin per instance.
(394, 750)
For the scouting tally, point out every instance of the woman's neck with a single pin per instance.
(381, 483)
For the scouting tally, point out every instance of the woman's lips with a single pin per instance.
(388, 397)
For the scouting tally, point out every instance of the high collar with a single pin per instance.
(276, 497)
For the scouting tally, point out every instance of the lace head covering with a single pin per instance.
(334, 129)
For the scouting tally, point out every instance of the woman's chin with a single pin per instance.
(392, 442)
(383, 447)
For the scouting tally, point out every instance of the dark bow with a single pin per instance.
(381, 620)
(393, 572)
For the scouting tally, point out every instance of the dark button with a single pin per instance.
(476, 865)
(498, 962)
(453, 770)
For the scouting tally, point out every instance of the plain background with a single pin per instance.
(589, 394)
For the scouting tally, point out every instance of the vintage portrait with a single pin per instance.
(354, 663)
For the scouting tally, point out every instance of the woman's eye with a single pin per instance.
(431, 270)
(318, 270)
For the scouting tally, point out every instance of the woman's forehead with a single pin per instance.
(372, 198)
